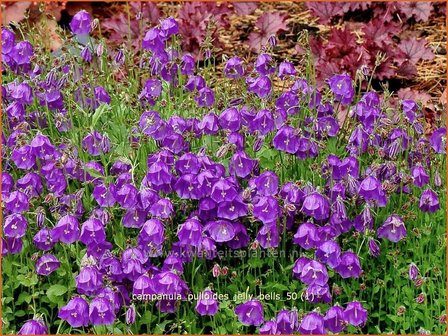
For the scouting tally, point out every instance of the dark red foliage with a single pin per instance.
(269, 24)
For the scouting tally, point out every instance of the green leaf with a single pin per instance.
(56, 291)
(99, 112)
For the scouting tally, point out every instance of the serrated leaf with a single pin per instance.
(415, 50)
(270, 23)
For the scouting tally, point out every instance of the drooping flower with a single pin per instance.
(266, 183)
(190, 232)
(261, 86)
(267, 209)
(312, 324)
(438, 140)
(317, 294)
(429, 201)
(75, 312)
(33, 327)
(268, 236)
(101, 311)
(286, 140)
(92, 231)
(47, 264)
(355, 314)
(89, 280)
(334, 319)
(392, 229)
(349, 267)
(329, 252)
(207, 304)
(307, 236)
(374, 249)
(371, 189)
(250, 313)
(314, 273)
(316, 206)
(220, 231)
(15, 226)
(234, 68)
(413, 271)
(268, 328)
(342, 87)
(287, 321)
(66, 230)
(81, 23)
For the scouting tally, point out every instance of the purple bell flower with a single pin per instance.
(11, 245)
(317, 294)
(81, 23)
(241, 164)
(342, 87)
(355, 314)
(349, 267)
(371, 189)
(75, 312)
(267, 184)
(241, 238)
(230, 119)
(205, 97)
(92, 231)
(8, 40)
(209, 124)
(15, 226)
(267, 209)
(419, 176)
(429, 201)
(413, 272)
(307, 236)
(268, 236)
(234, 68)
(316, 206)
(163, 208)
(220, 231)
(314, 273)
(334, 319)
(269, 328)
(23, 157)
(264, 65)
(89, 280)
(47, 264)
(329, 252)
(130, 315)
(33, 327)
(16, 202)
(298, 266)
(223, 191)
(312, 324)
(438, 140)
(374, 249)
(30, 184)
(190, 232)
(250, 313)
(207, 304)
(152, 234)
(263, 122)
(392, 229)
(66, 230)
(287, 321)
(101, 312)
(43, 239)
(286, 68)
(286, 140)
(261, 86)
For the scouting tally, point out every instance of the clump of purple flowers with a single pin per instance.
(148, 197)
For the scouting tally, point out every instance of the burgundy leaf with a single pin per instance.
(244, 8)
(418, 96)
(270, 23)
(326, 10)
(407, 70)
(420, 10)
(379, 31)
(415, 50)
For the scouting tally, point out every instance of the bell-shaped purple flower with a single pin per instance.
(314, 273)
(429, 201)
(413, 272)
(392, 229)
(307, 236)
(89, 280)
(316, 206)
(371, 189)
(190, 232)
(329, 252)
(33, 327)
(220, 231)
(261, 86)
(263, 123)
(419, 175)
(250, 313)
(374, 249)
(92, 231)
(266, 183)
(44, 239)
(15, 226)
(101, 311)
(287, 321)
(349, 267)
(355, 314)
(207, 304)
(75, 312)
(234, 68)
(241, 164)
(286, 68)
(47, 264)
(312, 324)
(268, 328)
(81, 23)
(66, 230)
(16, 202)
(205, 97)
(267, 209)
(286, 140)
(317, 294)
(268, 236)
(438, 140)
(23, 157)
(342, 87)
(298, 266)
(334, 319)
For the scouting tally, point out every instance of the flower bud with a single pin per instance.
(130, 314)
(413, 271)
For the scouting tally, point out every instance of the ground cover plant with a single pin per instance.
(151, 191)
